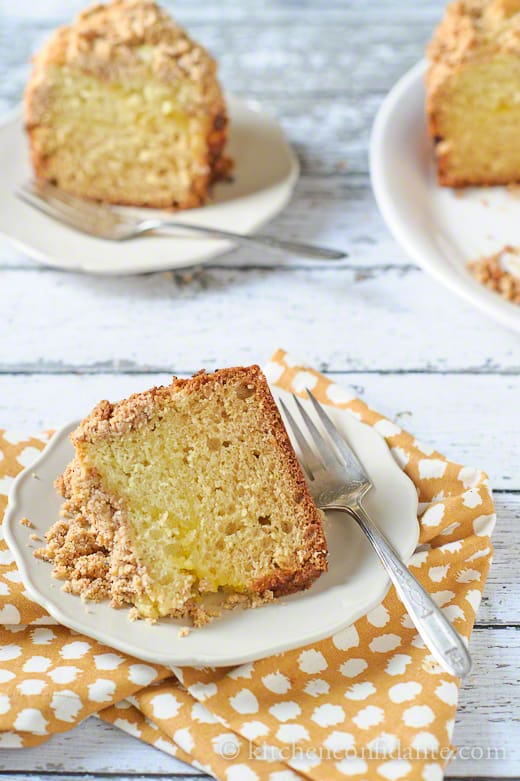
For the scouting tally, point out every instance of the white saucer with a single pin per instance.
(266, 170)
(354, 584)
(440, 229)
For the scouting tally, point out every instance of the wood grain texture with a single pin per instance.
(335, 210)
(375, 322)
(451, 411)
(338, 319)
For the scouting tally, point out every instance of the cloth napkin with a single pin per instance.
(369, 702)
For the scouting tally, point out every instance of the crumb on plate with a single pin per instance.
(491, 272)
(514, 189)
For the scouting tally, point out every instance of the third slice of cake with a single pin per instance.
(473, 93)
(183, 491)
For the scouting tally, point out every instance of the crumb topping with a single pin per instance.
(124, 35)
(474, 29)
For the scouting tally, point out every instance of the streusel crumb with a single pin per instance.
(27, 522)
(490, 271)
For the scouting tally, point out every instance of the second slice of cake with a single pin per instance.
(185, 491)
(123, 107)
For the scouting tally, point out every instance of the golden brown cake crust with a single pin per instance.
(110, 533)
(470, 31)
(107, 41)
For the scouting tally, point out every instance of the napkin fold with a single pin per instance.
(369, 702)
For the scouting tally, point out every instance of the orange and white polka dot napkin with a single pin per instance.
(368, 703)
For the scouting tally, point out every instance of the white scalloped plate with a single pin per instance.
(266, 170)
(439, 228)
(354, 584)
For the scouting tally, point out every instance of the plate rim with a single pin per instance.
(13, 513)
(15, 114)
(480, 297)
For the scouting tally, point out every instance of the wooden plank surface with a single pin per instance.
(375, 322)
(340, 319)
(461, 414)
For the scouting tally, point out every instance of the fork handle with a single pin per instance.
(444, 642)
(295, 247)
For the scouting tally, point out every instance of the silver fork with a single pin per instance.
(338, 481)
(104, 222)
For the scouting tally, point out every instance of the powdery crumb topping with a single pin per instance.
(122, 35)
(87, 548)
(472, 29)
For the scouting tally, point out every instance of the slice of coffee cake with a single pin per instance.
(124, 107)
(184, 491)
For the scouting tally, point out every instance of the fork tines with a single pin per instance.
(86, 216)
(332, 452)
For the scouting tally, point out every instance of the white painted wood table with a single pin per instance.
(376, 322)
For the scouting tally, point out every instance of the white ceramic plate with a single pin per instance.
(440, 229)
(265, 172)
(354, 584)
